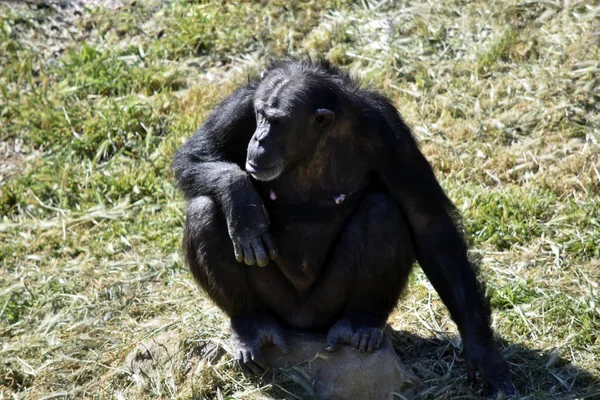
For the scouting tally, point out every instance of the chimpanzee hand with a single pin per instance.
(248, 225)
(487, 361)
(251, 332)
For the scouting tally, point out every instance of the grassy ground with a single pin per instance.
(504, 97)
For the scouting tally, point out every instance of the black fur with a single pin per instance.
(319, 178)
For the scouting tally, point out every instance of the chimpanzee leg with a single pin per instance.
(365, 276)
(208, 251)
(386, 259)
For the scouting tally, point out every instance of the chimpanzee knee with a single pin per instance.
(386, 229)
(387, 255)
(202, 227)
(380, 210)
(208, 251)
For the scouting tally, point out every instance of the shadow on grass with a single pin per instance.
(537, 374)
(438, 362)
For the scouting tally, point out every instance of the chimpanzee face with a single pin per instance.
(288, 127)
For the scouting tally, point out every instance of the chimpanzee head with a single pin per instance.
(294, 109)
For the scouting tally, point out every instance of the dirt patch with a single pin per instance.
(11, 159)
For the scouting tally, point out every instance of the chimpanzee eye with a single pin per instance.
(261, 117)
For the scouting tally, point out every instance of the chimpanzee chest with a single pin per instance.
(306, 235)
(309, 205)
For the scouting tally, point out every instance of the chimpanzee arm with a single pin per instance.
(210, 164)
(440, 248)
(211, 161)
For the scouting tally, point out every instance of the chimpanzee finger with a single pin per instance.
(239, 358)
(249, 363)
(239, 253)
(373, 340)
(333, 341)
(258, 361)
(248, 254)
(262, 258)
(280, 342)
(507, 388)
(356, 339)
(268, 240)
(379, 339)
(364, 341)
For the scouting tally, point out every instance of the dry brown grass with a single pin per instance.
(504, 97)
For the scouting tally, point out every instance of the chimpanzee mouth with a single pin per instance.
(264, 174)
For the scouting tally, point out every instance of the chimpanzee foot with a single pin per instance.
(360, 332)
(367, 339)
(249, 333)
(339, 333)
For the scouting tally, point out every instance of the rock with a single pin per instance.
(346, 373)
(153, 352)
(146, 361)
(149, 360)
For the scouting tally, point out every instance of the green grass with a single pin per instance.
(503, 96)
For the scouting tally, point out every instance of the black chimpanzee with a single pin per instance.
(318, 182)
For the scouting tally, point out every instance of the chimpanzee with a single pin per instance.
(319, 188)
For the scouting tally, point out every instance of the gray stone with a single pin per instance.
(345, 373)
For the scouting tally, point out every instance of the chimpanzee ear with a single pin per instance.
(324, 117)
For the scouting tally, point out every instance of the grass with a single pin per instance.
(504, 97)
